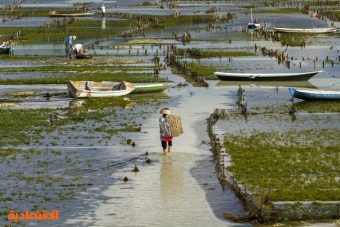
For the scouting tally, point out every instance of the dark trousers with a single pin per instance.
(165, 143)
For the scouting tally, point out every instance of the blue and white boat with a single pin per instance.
(314, 94)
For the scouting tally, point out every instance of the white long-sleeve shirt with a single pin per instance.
(78, 47)
(103, 8)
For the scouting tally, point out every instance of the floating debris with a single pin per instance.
(129, 141)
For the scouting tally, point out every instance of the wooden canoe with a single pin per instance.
(56, 14)
(149, 87)
(305, 30)
(314, 94)
(266, 76)
(84, 89)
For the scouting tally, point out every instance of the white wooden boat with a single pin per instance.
(266, 76)
(304, 30)
(255, 23)
(84, 89)
(83, 14)
(314, 94)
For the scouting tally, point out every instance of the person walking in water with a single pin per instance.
(164, 130)
(103, 9)
(68, 43)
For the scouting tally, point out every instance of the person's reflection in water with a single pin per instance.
(103, 23)
(171, 179)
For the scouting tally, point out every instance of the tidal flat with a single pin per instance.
(55, 156)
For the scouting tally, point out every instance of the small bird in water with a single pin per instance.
(146, 153)
(125, 179)
(148, 160)
(135, 169)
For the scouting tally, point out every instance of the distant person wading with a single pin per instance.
(103, 9)
(164, 129)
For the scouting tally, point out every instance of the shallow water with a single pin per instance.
(159, 195)
(180, 189)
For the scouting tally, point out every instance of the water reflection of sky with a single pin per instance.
(27, 22)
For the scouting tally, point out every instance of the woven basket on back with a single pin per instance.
(175, 123)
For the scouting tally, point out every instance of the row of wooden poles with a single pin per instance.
(281, 56)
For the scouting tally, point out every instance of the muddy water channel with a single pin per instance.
(76, 161)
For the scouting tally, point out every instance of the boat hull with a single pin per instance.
(305, 30)
(253, 25)
(265, 77)
(83, 56)
(86, 89)
(149, 88)
(265, 84)
(55, 14)
(4, 50)
(314, 94)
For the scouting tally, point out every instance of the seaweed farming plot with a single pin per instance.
(110, 48)
(78, 164)
(26, 75)
(34, 96)
(269, 122)
(27, 22)
(269, 107)
(75, 176)
(40, 49)
(89, 154)
(269, 155)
